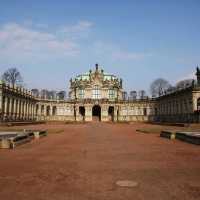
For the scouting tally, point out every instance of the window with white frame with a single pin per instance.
(81, 93)
(111, 94)
(96, 92)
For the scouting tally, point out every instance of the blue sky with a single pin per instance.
(52, 41)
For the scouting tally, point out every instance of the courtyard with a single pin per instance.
(84, 161)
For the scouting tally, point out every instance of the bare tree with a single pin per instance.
(159, 86)
(184, 83)
(12, 76)
(124, 95)
(52, 94)
(35, 92)
(44, 94)
(142, 94)
(61, 95)
(133, 95)
(171, 89)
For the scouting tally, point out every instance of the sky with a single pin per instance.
(139, 41)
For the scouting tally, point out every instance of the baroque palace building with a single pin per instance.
(97, 95)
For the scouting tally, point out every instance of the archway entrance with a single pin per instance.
(111, 113)
(96, 113)
(82, 112)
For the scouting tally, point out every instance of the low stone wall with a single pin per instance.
(9, 140)
(190, 137)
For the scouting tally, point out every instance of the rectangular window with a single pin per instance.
(111, 94)
(96, 93)
(81, 93)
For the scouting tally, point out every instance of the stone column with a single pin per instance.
(21, 109)
(14, 109)
(38, 115)
(33, 116)
(5, 107)
(50, 110)
(18, 109)
(31, 111)
(10, 109)
(27, 105)
(88, 113)
(77, 112)
(104, 113)
(28, 110)
(115, 113)
(24, 110)
(45, 110)
(35, 113)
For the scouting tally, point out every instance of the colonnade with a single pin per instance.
(14, 109)
(16, 104)
(175, 106)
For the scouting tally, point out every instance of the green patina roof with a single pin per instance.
(83, 77)
(86, 76)
(109, 77)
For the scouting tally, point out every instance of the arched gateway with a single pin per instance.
(96, 113)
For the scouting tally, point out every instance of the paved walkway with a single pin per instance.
(85, 161)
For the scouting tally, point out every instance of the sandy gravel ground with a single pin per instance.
(83, 162)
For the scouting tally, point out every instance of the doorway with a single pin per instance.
(82, 112)
(96, 113)
(111, 113)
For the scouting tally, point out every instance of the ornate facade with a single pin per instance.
(98, 96)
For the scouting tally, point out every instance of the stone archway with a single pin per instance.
(111, 113)
(96, 113)
(82, 112)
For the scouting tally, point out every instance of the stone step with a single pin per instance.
(168, 134)
(190, 137)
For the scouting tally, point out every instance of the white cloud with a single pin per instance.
(26, 43)
(80, 26)
(124, 55)
(18, 41)
(117, 53)
(79, 30)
